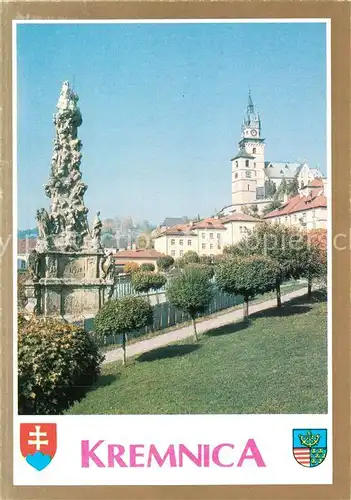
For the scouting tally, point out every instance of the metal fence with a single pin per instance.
(166, 316)
(123, 287)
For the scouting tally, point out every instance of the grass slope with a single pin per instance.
(275, 364)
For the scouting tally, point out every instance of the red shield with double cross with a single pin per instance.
(38, 444)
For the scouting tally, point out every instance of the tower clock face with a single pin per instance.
(253, 133)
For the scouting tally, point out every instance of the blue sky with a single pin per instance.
(162, 107)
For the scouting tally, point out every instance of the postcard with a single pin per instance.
(173, 318)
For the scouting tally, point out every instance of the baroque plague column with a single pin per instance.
(69, 268)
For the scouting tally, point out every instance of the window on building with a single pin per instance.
(286, 220)
(211, 246)
(173, 253)
(203, 246)
(248, 174)
(236, 164)
(181, 242)
(189, 243)
(313, 214)
(172, 242)
(254, 164)
(218, 236)
(203, 235)
(248, 187)
(304, 215)
(181, 253)
(246, 163)
(254, 151)
(236, 175)
(255, 173)
(211, 236)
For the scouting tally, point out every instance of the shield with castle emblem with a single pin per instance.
(309, 446)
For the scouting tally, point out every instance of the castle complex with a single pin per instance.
(251, 173)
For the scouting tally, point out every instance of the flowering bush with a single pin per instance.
(130, 267)
(57, 363)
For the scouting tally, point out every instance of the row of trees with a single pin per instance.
(271, 254)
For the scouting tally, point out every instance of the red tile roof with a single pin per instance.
(138, 254)
(209, 223)
(26, 245)
(301, 204)
(238, 216)
(178, 230)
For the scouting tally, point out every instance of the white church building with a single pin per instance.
(251, 171)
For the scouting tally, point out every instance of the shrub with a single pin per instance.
(122, 316)
(164, 263)
(190, 291)
(57, 363)
(22, 277)
(130, 267)
(147, 267)
(205, 259)
(190, 257)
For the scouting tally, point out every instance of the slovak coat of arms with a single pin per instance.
(38, 444)
(309, 446)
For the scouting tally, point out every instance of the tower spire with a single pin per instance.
(250, 106)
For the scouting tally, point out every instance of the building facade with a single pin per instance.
(307, 210)
(207, 237)
(253, 176)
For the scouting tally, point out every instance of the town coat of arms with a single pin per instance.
(310, 446)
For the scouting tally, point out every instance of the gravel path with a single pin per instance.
(187, 331)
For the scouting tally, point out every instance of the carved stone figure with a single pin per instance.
(43, 223)
(96, 232)
(107, 266)
(34, 265)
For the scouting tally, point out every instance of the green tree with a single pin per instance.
(189, 257)
(123, 316)
(191, 292)
(251, 210)
(147, 267)
(282, 189)
(142, 282)
(207, 269)
(158, 281)
(292, 187)
(288, 246)
(315, 268)
(273, 205)
(270, 188)
(164, 263)
(247, 276)
(205, 259)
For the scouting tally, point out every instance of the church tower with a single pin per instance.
(248, 175)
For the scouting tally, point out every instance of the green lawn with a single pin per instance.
(275, 364)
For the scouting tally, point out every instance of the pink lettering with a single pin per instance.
(112, 456)
(89, 454)
(206, 455)
(134, 455)
(255, 454)
(183, 450)
(215, 455)
(153, 453)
